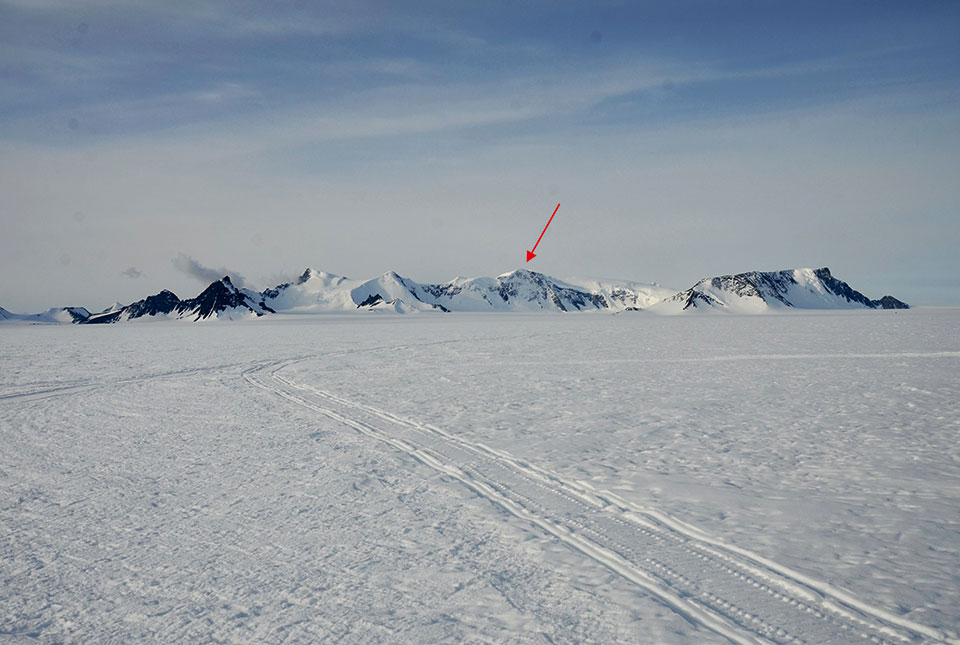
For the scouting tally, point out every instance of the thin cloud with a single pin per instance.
(205, 274)
(132, 272)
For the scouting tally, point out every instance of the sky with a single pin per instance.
(156, 145)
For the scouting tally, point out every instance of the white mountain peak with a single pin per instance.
(518, 290)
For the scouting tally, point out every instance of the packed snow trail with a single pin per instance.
(738, 594)
(46, 390)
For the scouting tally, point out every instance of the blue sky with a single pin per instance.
(683, 139)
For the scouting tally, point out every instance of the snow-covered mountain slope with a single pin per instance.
(66, 314)
(161, 304)
(117, 306)
(520, 290)
(55, 315)
(322, 292)
(762, 291)
(516, 291)
(624, 294)
(223, 299)
(317, 291)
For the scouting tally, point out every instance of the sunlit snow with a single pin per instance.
(491, 478)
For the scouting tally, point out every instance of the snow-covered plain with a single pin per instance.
(490, 478)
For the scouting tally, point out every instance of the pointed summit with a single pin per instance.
(160, 304)
(222, 298)
(518, 290)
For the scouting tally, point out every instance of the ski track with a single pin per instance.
(748, 358)
(47, 390)
(738, 594)
(39, 391)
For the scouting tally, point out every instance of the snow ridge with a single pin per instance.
(161, 304)
(54, 316)
(520, 290)
(762, 291)
(517, 291)
(222, 299)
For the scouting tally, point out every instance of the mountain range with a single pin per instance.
(522, 290)
(760, 291)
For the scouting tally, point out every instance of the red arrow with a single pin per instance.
(530, 253)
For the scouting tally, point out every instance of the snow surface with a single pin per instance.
(510, 478)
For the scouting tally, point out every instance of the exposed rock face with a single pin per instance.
(159, 304)
(758, 291)
(223, 297)
(889, 302)
(521, 290)
(54, 315)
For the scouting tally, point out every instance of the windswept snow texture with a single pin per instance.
(762, 291)
(513, 478)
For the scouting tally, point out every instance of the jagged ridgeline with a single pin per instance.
(321, 292)
(757, 291)
(517, 291)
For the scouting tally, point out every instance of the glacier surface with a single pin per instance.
(492, 478)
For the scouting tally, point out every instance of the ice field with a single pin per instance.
(484, 478)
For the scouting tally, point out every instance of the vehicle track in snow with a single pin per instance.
(736, 593)
(38, 391)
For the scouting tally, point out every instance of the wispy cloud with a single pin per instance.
(363, 136)
(132, 272)
(191, 267)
